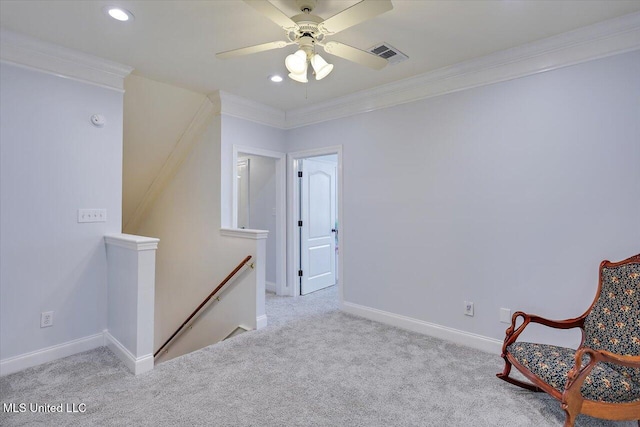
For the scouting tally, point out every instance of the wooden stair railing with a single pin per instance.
(204, 303)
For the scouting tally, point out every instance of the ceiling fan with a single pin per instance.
(308, 31)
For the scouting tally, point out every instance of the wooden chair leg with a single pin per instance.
(570, 420)
(572, 409)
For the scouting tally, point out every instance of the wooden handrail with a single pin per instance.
(203, 303)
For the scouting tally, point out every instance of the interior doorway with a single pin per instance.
(315, 229)
(257, 205)
(259, 202)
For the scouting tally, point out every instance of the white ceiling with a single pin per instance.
(176, 41)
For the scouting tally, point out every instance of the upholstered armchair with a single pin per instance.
(602, 377)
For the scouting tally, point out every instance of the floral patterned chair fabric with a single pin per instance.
(602, 377)
(604, 383)
(614, 321)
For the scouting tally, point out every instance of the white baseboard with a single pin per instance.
(261, 321)
(468, 339)
(270, 287)
(38, 357)
(137, 365)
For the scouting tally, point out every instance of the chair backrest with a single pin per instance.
(613, 323)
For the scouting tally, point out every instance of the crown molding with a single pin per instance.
(216, 102)
(36, 54)
(236, 106)
(599, 40)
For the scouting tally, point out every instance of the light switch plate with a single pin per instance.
(505, 315)
(92, 215)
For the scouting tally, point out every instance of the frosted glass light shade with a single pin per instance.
(299, 77)
(296, 63)
(320, 66)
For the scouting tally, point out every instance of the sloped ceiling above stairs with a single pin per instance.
(156, 115)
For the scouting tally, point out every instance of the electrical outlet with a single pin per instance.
(468, 308)
(46, 319)
(505, 315)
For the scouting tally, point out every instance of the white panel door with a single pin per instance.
(317, 241)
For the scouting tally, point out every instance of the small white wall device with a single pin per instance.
(98, 120)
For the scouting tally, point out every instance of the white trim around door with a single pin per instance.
(293, 232)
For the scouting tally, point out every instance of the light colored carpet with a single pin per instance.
(312, 366)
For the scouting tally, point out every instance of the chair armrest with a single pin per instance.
(604, 356)
(578, 373)
(513, 332)
(618, 359)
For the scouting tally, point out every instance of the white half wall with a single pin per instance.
(53, 161)
(130, 292)
(507, 195)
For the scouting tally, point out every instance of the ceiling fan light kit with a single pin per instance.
(320, 66)
(296, 62)
(301, 76)
(308, 31)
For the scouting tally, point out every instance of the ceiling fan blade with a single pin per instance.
(355, 55)
(356, 14)
(252, 49)
(270, 11)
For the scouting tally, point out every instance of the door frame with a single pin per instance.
(293, 231)
(282, 284)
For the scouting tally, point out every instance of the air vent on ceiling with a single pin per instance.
(388, 52)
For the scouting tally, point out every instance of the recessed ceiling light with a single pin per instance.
(275, 78)
(119, 14)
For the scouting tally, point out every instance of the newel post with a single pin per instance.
(131, 264)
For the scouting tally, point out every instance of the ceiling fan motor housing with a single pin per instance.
(307, 44)
(307, 27)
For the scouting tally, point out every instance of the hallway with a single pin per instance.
(283, 310)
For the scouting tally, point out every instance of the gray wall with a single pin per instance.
(243, 133)
(54, 162)
(507, 195)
